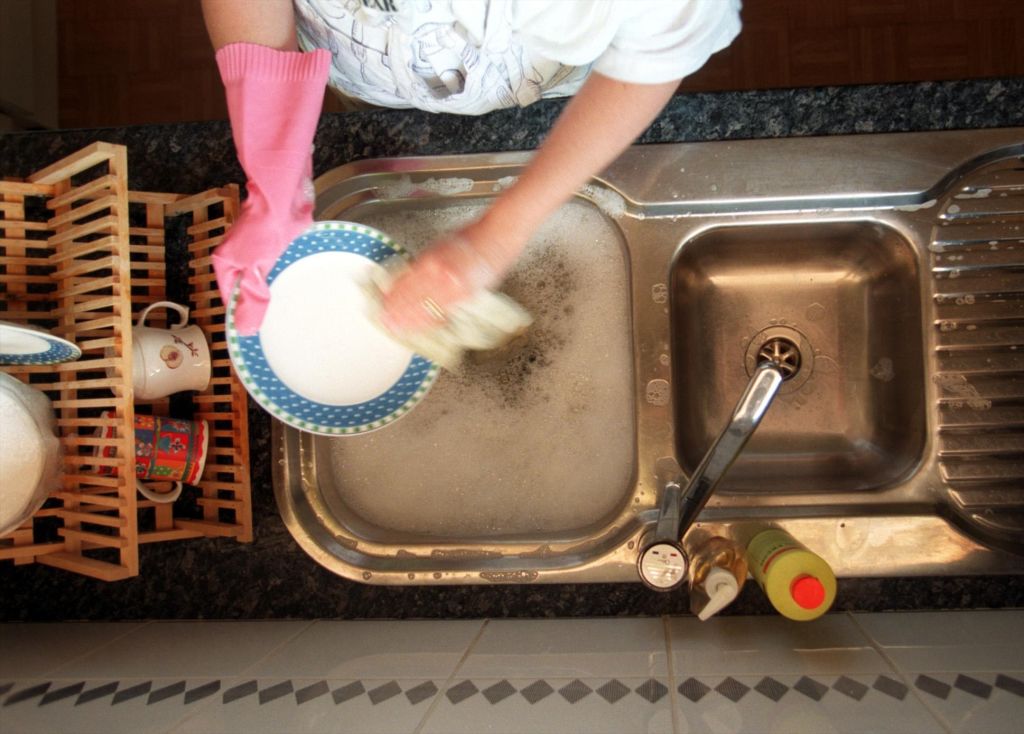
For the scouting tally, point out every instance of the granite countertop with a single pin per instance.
(273, 577)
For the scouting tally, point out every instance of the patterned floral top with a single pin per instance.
(474, 56)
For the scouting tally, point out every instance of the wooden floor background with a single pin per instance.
(125, 62)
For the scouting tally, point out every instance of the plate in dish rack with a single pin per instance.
(20, 344)
(319, 362)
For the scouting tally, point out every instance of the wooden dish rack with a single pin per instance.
(81, 256)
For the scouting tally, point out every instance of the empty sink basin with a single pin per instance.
(844, 299)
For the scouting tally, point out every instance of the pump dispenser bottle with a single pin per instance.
(718, 569)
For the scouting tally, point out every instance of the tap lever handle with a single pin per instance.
(758, 395)
(663, 563)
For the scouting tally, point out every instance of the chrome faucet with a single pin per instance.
(663, 564)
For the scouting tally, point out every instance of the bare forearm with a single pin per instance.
(601, 121)
(265, 22)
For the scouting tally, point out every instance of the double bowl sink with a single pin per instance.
(888, 268)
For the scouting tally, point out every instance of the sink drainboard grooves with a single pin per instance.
(977, 261)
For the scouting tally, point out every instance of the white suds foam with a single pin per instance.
(399, 188)
(916, 207)
(975, 194)
(504, 182)
(403, 187)
(447, 186)
(538, 439)
(608, 201)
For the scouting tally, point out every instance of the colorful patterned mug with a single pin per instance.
(166, 450)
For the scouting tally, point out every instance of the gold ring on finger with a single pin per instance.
(434, 309)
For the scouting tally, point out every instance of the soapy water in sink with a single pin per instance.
(536, 438)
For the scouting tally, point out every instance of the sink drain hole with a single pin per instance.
(783, 353)
(788, 349)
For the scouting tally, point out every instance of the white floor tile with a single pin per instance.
(953, 641)
(992, 626)
(563, 705)
(790, 704)
(317, 706)
(352, 649)
(127, 706)
(32, 650)
(570, 648)
(978, 703)
(184, 649)
(954, 672)
(765, 645)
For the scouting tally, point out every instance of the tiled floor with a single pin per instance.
(896, 672)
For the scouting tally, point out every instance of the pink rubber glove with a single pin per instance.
(274, 100)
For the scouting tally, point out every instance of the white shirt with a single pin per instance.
(473, 56)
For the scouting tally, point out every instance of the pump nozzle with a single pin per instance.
(721, 588)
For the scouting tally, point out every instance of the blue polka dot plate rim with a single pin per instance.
(314, 342)
(30, 345)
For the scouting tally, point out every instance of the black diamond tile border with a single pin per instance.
(27, 694)
(537, 691)
(693, 689)
(652, 690)
(575, 691)
(162, 694)
(732, 689)
(348, 691)
(890, 687)
(811, 688)
(935, 687)
(384, 692)
(240, 691)
(850, 687)
(1011, 685)
(771, 688)
(461, 691)
(422, 692)
(312, 692)
(973, 686)
(611, 691)
(132, 692)
(95, 694)
(276, 691)
(499, 691)
(61, 693)
(200, 692)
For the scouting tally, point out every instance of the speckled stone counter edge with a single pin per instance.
(273, 578)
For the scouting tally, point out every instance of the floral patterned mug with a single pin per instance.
(166, 450)
(166, 361)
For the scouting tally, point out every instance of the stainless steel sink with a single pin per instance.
(845, 297)
(890, 266)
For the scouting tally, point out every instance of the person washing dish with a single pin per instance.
(621, 60)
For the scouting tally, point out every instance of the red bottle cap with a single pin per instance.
(807, 591)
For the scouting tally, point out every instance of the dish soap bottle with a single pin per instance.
(799, 583)
(717, 572)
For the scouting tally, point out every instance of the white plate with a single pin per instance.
(318, 362)
(20, 344)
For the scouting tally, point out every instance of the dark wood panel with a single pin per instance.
(130, 62)
(788, 43)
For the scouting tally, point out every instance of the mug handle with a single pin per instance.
(182, 312)
(162, 497)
